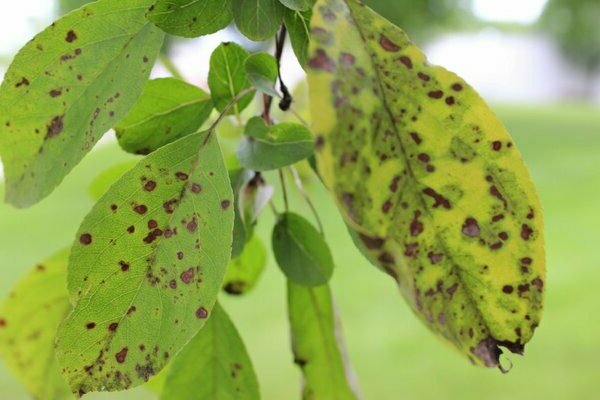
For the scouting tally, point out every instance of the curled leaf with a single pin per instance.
(429, 180)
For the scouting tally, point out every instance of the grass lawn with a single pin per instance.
(394, 356)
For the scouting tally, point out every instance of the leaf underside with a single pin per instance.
(429, 180)
(146, 267)
(67, 87)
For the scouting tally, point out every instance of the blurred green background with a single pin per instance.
(395, 357)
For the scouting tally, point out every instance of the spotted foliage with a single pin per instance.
(28, 322)
(146, 266)
(429, 180)
(67, 87)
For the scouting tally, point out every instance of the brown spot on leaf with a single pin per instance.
(423, 76)
(187, 276)
(526, 232)
(121, 356)
(225, 204)
(471, 227)
(23, 82)
(149, 186)
(439, 199)
(496, 145)
(416, 226)
(85, 239)
(201, 313)
(90, 325)
(406, 61)
(55, 92)
(321, 61)
(71, 36)
(508, 289)
(113, 327)
(124, 266)
(387, 44)
(457, 87)
(140, 209)
(55, 127)
(436, 94)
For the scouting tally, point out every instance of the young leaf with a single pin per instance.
(316, 343)
(298, 5)
(146, 267)
(269, 147)
(168, 110)
(191, 18)
(67, 87)
(258, 19)
(105, 180)
(227, 77)
(244, 271)
(298, 26)
(429, 178)
(301, 251)
(254, 197)
(213, 366)
(28, 322)
(262, 71)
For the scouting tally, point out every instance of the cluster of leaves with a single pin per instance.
(429, 183)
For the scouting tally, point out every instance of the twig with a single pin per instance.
(284, 190)
(300, 187)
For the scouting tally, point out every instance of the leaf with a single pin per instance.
(253, 198)
(67, 87)
(213, 366)
(169, 109)
(241, 232)
(301, 251)
(244, 271)
(298, 5)
(28, 322)
(262, 71)
(146, 267)
(105, 180)
(298, 26)
(316, 343)
(258, 19)
(191, 18)
(431, 181)
(227, 77)
(275, 146)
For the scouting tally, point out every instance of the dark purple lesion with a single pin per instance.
(322, 62)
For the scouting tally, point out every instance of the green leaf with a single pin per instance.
(317, 344)
(168, 110)
(146, 267)
(258, 19)
(191, 18)
(298, 26)
(244, 271)
(227, 77)
(268, 147)
(213, 366)
(431, 181)
(253, 198)
(301, 251)
(67, 87)
(298, 5)
(104, 181)
(262, 71)
(28, 322)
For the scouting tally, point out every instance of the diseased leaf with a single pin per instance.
(104, 181)
(316, 343)
(298, 5)
(213, 366)
(262, 71)
(191, 18)
(301, 251)
(258, 19)
(28, 322)
(298, 26)
(67, 87)
(253, 198)
(168, 110)
(227, 77)
(269, 147)
(429, 178)
(244, 271)
(146, 267)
